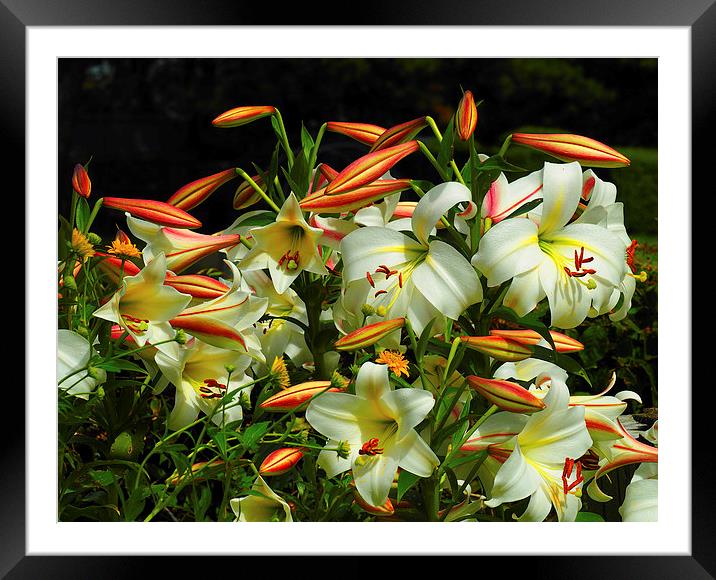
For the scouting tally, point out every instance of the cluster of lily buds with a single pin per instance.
(157, 212)
(280, 461)
(568, 147)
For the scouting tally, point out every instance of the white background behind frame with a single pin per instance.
(670, 536)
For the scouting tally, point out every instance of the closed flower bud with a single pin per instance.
(368, 335)
(362, 132)
(280, 461)
(153, 211)
(497, 347)
(197, 286)
(181, 337)
(246, 195)
(466, 116)
(506, 395)
(95, 373)
(562, 342)
(242, 116)
(292, 398)
(568, 147)
(81, 182)
(399, 134)
(194, 193)
(320, 202)
(367, 310)
(344, 449)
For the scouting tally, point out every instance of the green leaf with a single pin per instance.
(116, 365)
(306, 141)
(454, 486)
(134, 505)
(219, 437)
(588, 517)
(561, 360)
(406, 480)
(529, 206)
(299, 174)
(528, 321)
(498, 163)
(423, 340)
(104, 478)
(82, 214)
(291, 183)
(253, 434)
(262, 219)
(127, 446)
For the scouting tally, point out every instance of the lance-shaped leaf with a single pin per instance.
(498, 347)
(246, 195)
(197, 286)
(506, 395)
(319, 202)
(293, 397)
(569, 147)
(370, 167)
(280, 461)
(363, 132)
(399, 134)
(81, 182)
(156, 212)
(562, 342)
(368, 335)
(466, 116)
(242, 115)
(194, 193)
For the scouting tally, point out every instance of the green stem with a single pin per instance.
(257, 189)
(283, 137)
(434, 162)
(93, 215)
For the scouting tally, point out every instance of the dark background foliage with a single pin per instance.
(146, 123)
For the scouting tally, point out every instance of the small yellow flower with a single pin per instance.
(81, 244)
(123, 246)
(279, 373)
(396, 362)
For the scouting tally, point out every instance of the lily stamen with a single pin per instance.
(370, 279)
(371, 448)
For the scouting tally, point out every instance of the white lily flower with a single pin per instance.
(266, 507)
(378, 423)
(143, 305)
(417, 279)
(286, 247)
(576, 266)
(73, 354)
(537, 456)
(504, 198)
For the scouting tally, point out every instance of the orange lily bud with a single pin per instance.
(194, 193)
(466, 116)
(246, 195)
(319, 202)
(573, 148)
(384, 510)
(368, 168)
(399, 134)
(81, 182)
(506, 395)
(242, 116)
(562, 342)
(156, 212)
(214, 332)
(327, 171)
(280, 461)
(497, 347)
(112, 266)
(362, 132)
(291, 398)
(198, 286)
(201, 465)
(368, 335)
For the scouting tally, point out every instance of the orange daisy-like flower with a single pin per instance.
(81, 244)
(123, 246)
(396, 362)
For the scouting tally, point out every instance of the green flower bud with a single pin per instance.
(181, 337)
(94, 239)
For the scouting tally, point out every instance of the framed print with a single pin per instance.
(426, 305)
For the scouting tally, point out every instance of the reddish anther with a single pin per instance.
(370, 447)
(400, 279)
(569, 465)
(370, 279)
(630, 256)
(379, 292)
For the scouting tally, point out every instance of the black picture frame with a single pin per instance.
(17, 15)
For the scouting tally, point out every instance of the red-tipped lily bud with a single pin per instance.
(194, 193)
(280, 461)
(399, 134)
(209, 330)
(112, 266)
(328, 173)
(242, 116)
(497, 347)
(197, 286)
(81, 182)
(562, 342)
(292, 398)
(573, 148)
(246, 195)
(368, 335)
(156, 212)
(319, 202)
(368, 168)
(506, 395)
(384, 510)
(466, 116)
(363, 132)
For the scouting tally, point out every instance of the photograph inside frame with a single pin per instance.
(419, 290)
